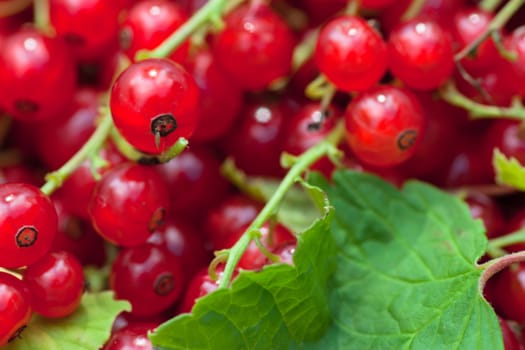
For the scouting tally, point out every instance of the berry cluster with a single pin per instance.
(104, 95)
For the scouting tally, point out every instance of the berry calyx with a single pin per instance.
(28, 224)
(383, 126)
(154, 103)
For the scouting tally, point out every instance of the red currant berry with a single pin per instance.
(272, 238)
(153, 103)
(128, 204)
(226, 219)
(78, 237)
(184, 241)
(133, 337)
(351, 54)
(383, 126)
(485, 208)
(90, 27)
(148, 23)
(259, 131)
(56, 284)
(510, 341)
(515, 223)
(149, 277)
(194, 180)
(307, 127)
(508, 293)
(220, 99)
(468, 24)
(58, 139)
(37, 76)
(28, 224)
(255, 47)
(15, 308)
(420, 54)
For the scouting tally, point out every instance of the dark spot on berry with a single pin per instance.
(163, 125)
(148, 160)
(26, 236)
(26, 106)
(318, 119)
(164, 284)
(125, 37)
(16, 335)
(157, 219)
(406, 139)
(74, 39)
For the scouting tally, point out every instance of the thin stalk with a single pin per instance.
(12, 7)
(303, 163)
(509, 239)
(497, 23)
(478, 110)
(489, 5)
(41, 15)
(492, 267)
(55, 179)
(210, 12)
(413, 10)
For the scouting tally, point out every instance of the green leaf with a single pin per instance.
(86, 329)
(278, 308)
(406, 274)
(509, 171)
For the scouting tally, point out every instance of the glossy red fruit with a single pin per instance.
(78, 237)
(76, 191)
(508, 136)
(28, 224)
(220, 99)
(307, 127)
(58, 139)
(56, 284)
(420, 54)
(148, 23)
(15, 308)
(516, 222)
(153, 103)
(133, 337)
(149, 277)
(200, 285)
(128, 204)
(351, 54)
(510, 341)
(376, 4)
(90, 27)
(259, 131)
(468, 24)
(37, 76)
(272, 239)
(194, 180)
(183, 241)
(383, 126)
(508, 293)
(255, 46)
(227, 218)
(485, 208)
(513, 72)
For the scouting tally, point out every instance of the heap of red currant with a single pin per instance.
(116, 118)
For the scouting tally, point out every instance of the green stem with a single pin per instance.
(95, 142)
(12, 7)
(303, 163)
(41, 14)
(209, 12)
(509, 239)
(134, 155)
(492, 267)
(413, 10)
(497, 23)
(489, 5)
(352, 8)
(478, 110)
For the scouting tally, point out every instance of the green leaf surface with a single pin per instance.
(301, 205)
(406, 274)
(278, 308)
(509, 171)
(86, 329)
